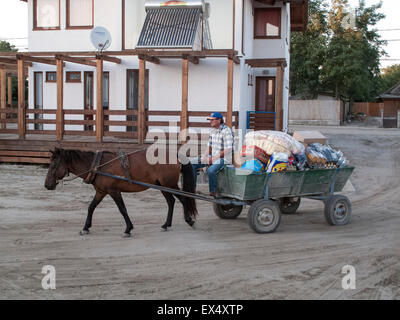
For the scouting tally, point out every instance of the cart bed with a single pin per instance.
(239, 184)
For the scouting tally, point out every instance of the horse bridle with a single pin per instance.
(58, 161)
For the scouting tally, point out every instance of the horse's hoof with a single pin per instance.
(126, 235)
(193, 224)
(84, 232)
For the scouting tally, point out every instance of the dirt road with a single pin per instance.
(220, 259)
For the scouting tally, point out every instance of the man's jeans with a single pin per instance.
(211, 172)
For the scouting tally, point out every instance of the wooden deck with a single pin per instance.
(36, 148)
(34, 145)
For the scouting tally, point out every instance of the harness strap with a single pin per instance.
(125, 165)
(93, 171)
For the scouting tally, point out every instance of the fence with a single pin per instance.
(79, 122)
(371, 109)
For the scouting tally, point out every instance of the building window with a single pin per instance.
(267, 23)
(51, 76)
(73, 76)
(106, 95)
(132, 94)
(80, 14)
(46, 14)
(38, 87)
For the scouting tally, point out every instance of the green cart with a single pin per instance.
(270, 194)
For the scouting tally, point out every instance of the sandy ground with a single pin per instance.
(220, 259)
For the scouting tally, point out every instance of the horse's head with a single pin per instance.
(57, 170)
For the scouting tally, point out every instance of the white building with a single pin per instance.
(168, 60)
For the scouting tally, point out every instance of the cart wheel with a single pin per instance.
(338, 210)
(264, 216)
(289, 205)
(227, 212)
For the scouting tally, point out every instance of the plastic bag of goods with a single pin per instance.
(254, 165)
(333, 158)
(255, 152)
(300, 161)
(278, 162)
(330, 154)
(315, 159)
(274, 141)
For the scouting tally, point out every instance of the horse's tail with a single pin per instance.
(189, 186)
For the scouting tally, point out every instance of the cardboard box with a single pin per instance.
(308, 137)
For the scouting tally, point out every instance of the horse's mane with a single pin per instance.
(71, 156)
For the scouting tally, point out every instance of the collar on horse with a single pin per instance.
(95, 166)
(124, 161)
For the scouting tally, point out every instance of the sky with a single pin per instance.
(14, 25)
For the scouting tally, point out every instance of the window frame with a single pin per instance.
(47, 76)
(36, 28)
(279, 9)
(68, 80)
(68, 18)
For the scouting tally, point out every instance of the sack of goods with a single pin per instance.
(278, 162)
(254, 165)
(253, 151)
(275, 151)
(323, 156)
(274, 141)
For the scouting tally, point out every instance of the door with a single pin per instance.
(88, 98)
(265, 94)
(38, 98)
(132, 99)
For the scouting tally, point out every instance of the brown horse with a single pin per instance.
(79, 163)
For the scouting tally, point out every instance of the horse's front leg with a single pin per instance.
(96, 200)
(117, 197)
(171, 201)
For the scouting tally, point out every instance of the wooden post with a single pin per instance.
(9, 84)
(3, 101)
(142, 92)
(230, 93)
(279, 99)
(21, 101)
(99, 101)
(60, 100)
(185, 92)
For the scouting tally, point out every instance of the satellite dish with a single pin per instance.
(101, 38)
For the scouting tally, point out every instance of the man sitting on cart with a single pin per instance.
(219, 150)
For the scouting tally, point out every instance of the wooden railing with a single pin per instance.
(9, 116)
(117, 123)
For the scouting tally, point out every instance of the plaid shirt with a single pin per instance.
(221, 139)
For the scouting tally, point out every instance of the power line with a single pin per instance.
(388, 30)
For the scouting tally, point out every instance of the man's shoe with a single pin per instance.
(212, 194)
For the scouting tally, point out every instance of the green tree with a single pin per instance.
(308, 50)
(352, 69)
(390, 77)
(8, 47)
(341, 55)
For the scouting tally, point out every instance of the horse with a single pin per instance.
(79, 163)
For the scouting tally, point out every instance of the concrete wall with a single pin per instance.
(316, 112)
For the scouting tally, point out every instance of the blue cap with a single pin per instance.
(215, 115)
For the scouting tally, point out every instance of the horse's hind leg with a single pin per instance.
(96, 200)
(121, 206)
(188, 218)
(171, 201)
